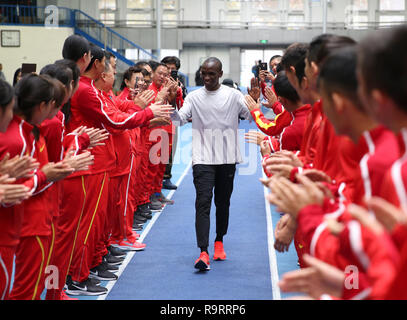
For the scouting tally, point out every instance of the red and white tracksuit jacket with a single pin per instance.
(378, 150)
(17, 140)
(287, 128)
(84, 203)
(161, 136)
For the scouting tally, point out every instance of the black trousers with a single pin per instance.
(209, 179)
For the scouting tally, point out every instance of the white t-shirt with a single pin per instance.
(215, 119)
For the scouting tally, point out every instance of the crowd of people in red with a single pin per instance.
(80, 172)
(82, 168)
(335, 162)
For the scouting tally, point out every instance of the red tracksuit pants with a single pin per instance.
(30, 264)
(117, 207)
(6, 268)
(84, 203)
(159, 155)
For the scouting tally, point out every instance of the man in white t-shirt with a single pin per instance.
(215, 110)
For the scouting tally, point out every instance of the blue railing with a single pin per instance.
(83, 24)
(35, 16)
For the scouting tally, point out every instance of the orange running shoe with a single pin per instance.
(64, 296)
(202, 263)
(219, 251)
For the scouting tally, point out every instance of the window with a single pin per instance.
(232, 5)
(107, 4)
(170, 18)
(295, 21)
(269, 19)
(132, 54)
(360, 4)
(169, 4)
(139, 4)
(270, 5)
(296, 5)
(356, 16)
(388, 20)
(138, 18)
(392, 5)
(357, 22)
(108, 18)
(232, 19)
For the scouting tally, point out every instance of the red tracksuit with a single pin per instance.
(119, 206)
(135, 185)
(376, 151)
(288, 126)
(57, 144)
(311, 134)
(374, 256)
(33, 249)
(160, 138)
(17, 140)
(338, 157)
(84, 203)
(398, 289)
(393, 188)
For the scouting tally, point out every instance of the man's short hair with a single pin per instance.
(284, 88)
(215, 61)
(383, 64)
(323, 45)
(338, 74)
(294, 56)
(172, 60)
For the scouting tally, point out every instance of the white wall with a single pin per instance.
(38, 45)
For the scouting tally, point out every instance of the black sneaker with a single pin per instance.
(112, 260)
(167, 184)
(139, 219)
(101, 273)
(144, 208)
(109, 267)
(94, 281)
(116, 252)
(165, 200)
(155, 206)
(137, 227)
(146, 215)
(85, 288)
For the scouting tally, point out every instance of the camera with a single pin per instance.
(263, 66)
(174, 75)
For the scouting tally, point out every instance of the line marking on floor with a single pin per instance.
(143, 235)
(271, 250)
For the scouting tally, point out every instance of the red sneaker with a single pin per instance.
(219, 251)
(64, 296)
(202, 263)
(129, 246)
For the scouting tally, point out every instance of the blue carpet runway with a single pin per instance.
(165, 270)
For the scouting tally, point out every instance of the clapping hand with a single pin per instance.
(12, 194)
(255, 137)
(254, 90)
(317, 279)
(18, 167)
(144, 98)
(291, 198)
(96, 136)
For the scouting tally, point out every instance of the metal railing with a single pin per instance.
(29, 15)
(83, 24)
(271, 25)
